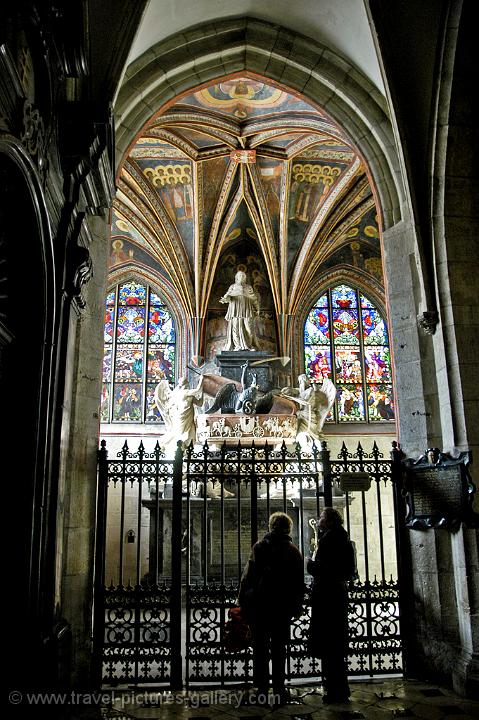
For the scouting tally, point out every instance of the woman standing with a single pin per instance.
(333, 565)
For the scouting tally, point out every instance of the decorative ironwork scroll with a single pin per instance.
(176, 536)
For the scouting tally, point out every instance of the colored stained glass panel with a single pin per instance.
(380, 403)
(109, 320)
(132, 294)
(323, 301)
(161, 363)
(152, 412)
(316, 329)
(318, 362)
(365, 303)
(350, 403)
(344, 297)
(129, 363)
(127, 402)
(374, 328)
(348, 365)
(345, 326)
(378, 364)
(110, 298)
(155, 299)
(131, 324)
(160, 328)
(107, 364)
(105, 403)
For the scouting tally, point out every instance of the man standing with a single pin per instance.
(243, 307)
(271, 594)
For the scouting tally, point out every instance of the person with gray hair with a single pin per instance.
(271, 594)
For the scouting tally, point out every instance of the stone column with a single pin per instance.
(413, 358)
(80, 430)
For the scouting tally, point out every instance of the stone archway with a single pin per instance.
(27, 332)
(188, 61)
(183, 62)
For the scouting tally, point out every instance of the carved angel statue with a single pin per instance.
(315, 403)
(177, 408)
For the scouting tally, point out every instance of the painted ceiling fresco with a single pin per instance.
(243, 161)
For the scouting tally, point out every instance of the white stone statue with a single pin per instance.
(177, 408)
(243, 307)
(315, 403)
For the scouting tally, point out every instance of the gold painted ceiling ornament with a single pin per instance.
(371, 231)
(313, 174)
(241, 92)
(243, 156)
(168, 174)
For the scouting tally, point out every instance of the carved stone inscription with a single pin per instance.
(437, 491)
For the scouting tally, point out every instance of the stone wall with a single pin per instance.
(79, 456)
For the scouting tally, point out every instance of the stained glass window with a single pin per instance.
(346, 340)
(139, 351)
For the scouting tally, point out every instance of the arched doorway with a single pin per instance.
(238, 158)
(27, 326)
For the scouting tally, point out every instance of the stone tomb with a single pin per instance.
(231, 428)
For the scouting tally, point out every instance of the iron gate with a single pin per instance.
(173, 537)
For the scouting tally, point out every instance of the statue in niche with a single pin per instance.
(249, 400)
(177, 408)
(243, 307)
(316, 401)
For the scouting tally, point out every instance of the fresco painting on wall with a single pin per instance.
(243, 98)
(270, 173)
(213, 172)
(309, 187)
(173, 181)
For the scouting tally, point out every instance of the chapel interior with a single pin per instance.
(150, 152)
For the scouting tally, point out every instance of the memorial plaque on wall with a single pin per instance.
(439, 491)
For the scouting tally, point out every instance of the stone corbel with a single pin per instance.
(80, 271)
(428, 321)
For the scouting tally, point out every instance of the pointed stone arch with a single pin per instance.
(188, 60)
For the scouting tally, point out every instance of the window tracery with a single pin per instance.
(139, 351)
(346, 340)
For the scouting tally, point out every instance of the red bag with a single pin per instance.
(237, 633)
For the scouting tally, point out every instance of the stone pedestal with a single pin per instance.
(230, 365)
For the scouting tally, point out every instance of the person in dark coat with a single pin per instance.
(333, 565)
(271, 594)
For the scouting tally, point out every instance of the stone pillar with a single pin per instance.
(80, 430)
(414, 366)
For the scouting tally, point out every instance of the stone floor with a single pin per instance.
(378, 700)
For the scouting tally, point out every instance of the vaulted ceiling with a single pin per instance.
(243, 160)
